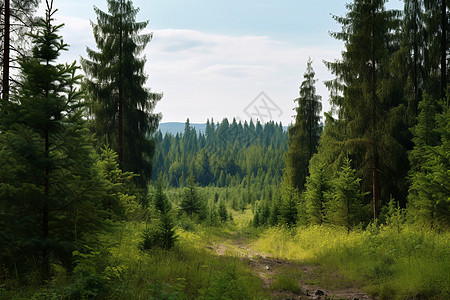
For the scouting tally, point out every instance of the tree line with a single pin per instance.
(224, 155)
(385, 145)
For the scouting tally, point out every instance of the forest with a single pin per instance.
(353, 203)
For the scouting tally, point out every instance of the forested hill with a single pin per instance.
(225, 154)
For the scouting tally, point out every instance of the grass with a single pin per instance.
(284, 282)
(119, 270)
(386, 263)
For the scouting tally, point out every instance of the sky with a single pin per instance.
(231, 58)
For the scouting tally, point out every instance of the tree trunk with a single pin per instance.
(374, 123)
(6, 49)
(45, 215)
(120, 129)
(416, 58)
(443, 49)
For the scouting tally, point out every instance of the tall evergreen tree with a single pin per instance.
(436, 23)
(414, 40)
(304, 134)
(122, 106)
(367, 100)
(50, 188)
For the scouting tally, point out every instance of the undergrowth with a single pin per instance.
(386, 262)
(121, 270)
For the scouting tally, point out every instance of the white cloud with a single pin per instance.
(204, 75)
(209, 75)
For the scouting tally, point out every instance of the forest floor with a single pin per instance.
(286, 279)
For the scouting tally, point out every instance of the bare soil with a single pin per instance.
(309, 277)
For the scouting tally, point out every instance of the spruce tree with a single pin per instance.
(49, 187)
(317, 188)
(191, 202)
(304, 134)
(368, 101)
(429, 195)
(121, 105)
(344, 207)
(289, 205)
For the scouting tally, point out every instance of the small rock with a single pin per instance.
(319, 293)
(267, 268)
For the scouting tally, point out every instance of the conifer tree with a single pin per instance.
(49, 189)
(317, 188)
(191, 203)
(304, 134)
(222, 211)
(365, 96)
(429, 195)
(121, 105)
(289, 206)
(344, 207)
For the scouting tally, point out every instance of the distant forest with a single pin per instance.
(225, 155)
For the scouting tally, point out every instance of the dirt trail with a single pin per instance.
(269, 269)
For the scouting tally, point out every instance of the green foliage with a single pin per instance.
(223, 212)
(160, 235)
(160, 199)
(285, 282)
(50, 189)
(410, 264)
(122, 106)
(191, 202)
(395, 216)
(225, 155)
(429, 195)
(161, 231)
(317, 188)
(305, 133)
(370, 99)
(290, 201)
(344, 208)
(120, 200)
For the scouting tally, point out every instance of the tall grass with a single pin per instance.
(408, 264)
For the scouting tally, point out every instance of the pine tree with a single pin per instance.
(160, 198)
(222, 211)
(120, 197)
(50, 189)
(429, 195)
(317, 188)
(304, 134)
(367, 99)
(414, 39)
(122, 107)
(191, 203)
(289, 206)
(344, 207)
(436, 24)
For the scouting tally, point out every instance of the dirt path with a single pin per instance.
(270, 270)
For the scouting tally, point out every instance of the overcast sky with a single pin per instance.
(228, 58)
